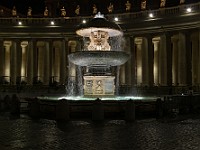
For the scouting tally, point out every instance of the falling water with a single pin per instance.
(71, 84)
(116, 43)
(117, 80)
(80, 81)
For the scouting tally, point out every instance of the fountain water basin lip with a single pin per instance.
(115, 98)
(98, 58)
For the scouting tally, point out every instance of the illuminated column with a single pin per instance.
(195, 58)
(175, 61)
(138, 42)
(63, 62)
(7, 45)
(24, 45)
(156, 59)
(46, 63)
(2, 58)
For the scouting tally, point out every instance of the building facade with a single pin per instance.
(164, 45)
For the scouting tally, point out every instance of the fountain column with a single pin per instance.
(175, 61)
(2, 58)
(7, 45)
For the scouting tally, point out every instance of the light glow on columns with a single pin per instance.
(189, 10)
(19, 23)
(84, 21)
(116, 19)
(52, 23)
(151, 15)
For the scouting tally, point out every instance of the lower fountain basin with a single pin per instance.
(98, 58)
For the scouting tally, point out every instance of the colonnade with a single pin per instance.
(165, 59)
(34, 61)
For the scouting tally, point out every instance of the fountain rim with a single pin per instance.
(86, 32)
(109, 58)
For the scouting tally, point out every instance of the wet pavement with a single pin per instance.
(24, 133)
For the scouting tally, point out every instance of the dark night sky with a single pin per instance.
(86, 5)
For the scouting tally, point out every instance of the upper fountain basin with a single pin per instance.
(99, 24)
(98, 58)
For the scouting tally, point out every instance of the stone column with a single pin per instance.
(24, 45)
(132, 61)
(30, 62)
(165, 67)
(46, 73)
(2, 57)
(63, 62)
(169, 58)
(19, 61)
(199, 62)
(182, 72)
(188, 58)
(150, 61)
(51, 60)
(175, 60)
(14, 65)
(41, 60)
(147, 61)
(35, 58)
(138, 42)
(195, 58)
(156, 43)
(7, 66)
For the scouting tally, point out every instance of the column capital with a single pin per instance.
(24, 44)
(7, 43)
(138, 41)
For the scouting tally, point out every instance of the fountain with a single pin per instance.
(101, 57)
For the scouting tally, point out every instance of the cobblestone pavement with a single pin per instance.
(23, 133)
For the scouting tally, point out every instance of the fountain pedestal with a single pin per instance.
(99, 85)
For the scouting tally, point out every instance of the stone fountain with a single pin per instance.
(100, 59)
